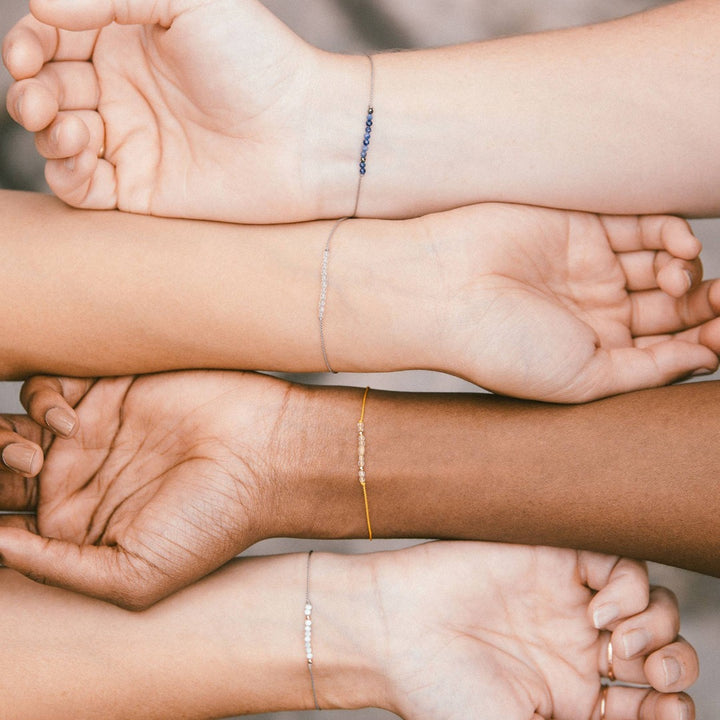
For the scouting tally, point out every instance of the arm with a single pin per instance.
(614, 117)
(162, 465)
(233, 643)
(633, 472)
(525, 301)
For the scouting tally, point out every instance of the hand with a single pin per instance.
(157, 487)
(198, 109)
(570, 307)
(489, 631)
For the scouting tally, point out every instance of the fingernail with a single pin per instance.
(19, 457)
(689, 277)
(684, 708)
(634, 642)
(672, 670)
(70, 164)
(605, 614)
(702, 371)
(60, 421)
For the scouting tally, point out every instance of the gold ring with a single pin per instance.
(603, 700)
(610, 671)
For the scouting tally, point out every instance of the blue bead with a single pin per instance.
(366, 142)
(369, 121)
(363, 154)
(362, 170)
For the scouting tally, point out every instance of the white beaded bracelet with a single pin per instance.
(308, 631)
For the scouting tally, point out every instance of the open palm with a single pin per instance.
(198, 108)
(570, 307)
(157, 488)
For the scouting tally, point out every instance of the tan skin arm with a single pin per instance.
(525, 301)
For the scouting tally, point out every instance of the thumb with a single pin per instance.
(104, 572)
(93, 14)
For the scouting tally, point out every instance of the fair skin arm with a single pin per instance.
(494, 631)
(216, 110)
(162, 465)
(544, 304)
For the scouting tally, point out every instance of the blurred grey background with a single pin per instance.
(370, 25)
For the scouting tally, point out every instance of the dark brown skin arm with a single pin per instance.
(633, 473)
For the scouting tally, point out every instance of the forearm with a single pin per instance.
(630, 474)
(92, 293)
(613, 118)
(230, 644)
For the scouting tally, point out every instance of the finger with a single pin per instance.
(72, 86)
(646, 270)
(707, 334)
(651, 629)
(34, 103)
(622, 584)
(655, 312)
(634, 639)
(88, 14)
(71, 133)
(19, 522)
(106, 573)
(674, 667)
(677, 277)
(83, 181)
(652, 232)
(620, 370)
(622, 703)
(22, 459)
(65, 137)
(49, 401)
(20, 455)
(18, 493)
(31, 104)
(30, 44)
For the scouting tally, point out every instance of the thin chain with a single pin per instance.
(323, 293)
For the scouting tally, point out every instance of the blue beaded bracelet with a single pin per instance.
(366, 140)
(367, 135)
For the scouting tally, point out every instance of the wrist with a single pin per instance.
(338, 94)
(317, 490)
(382, 299)
(348, 637)
(259, 421)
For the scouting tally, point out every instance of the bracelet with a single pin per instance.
(323, 293)
(308, 631)
(368, 132)
(361, 461)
